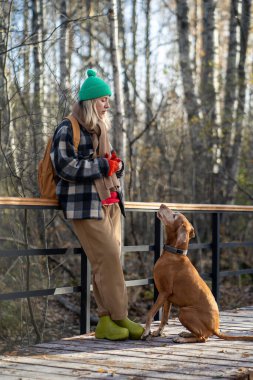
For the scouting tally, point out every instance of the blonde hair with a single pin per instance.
(90, 115)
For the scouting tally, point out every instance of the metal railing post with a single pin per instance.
(157, 253)
(216, 255)
(85, 295)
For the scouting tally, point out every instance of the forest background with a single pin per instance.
(181, 111)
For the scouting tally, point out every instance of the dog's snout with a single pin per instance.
(163, 207)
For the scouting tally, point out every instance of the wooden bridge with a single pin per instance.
(84, 357)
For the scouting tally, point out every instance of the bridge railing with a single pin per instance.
(215, 245)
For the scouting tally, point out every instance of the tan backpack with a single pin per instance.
(46, 173)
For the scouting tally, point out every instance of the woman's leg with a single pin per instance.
(100, 240)
(135, 330)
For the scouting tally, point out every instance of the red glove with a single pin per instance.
(113, 167)
(113, 162)
(114, 157)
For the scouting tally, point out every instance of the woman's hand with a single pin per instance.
(114, 163)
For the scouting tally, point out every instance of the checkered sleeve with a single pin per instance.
(68, 164)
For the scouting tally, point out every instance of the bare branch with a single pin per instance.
(148, 125)
(24, 43)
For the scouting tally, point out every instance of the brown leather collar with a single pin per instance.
(177, 251)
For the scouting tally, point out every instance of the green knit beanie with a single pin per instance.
(93, 87)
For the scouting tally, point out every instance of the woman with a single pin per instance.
(89, 193)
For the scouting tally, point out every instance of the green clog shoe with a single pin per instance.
(135, 330)
(107, 329)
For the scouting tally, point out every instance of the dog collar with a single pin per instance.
(177, 251)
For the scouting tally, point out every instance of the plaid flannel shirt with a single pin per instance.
(77, 171)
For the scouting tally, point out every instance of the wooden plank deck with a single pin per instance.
(84, 357)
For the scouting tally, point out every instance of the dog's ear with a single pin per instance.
(192, 233)
(182, 235)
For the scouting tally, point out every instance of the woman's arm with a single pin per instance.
(68, 165)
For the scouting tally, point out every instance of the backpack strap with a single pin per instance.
(76, 131)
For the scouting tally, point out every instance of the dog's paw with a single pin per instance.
(178, 339)
(185, 334)
(156, 333)
(145, 335)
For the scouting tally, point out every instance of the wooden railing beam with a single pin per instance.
(6, 202)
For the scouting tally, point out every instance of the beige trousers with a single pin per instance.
(101, 241)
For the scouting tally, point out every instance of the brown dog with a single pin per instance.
(179, 283)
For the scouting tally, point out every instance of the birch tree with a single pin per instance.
(191, 101)
(63, 53)
(90, 12)
(36, 102)
(118, 122)
(236, 85)
(5, 12)
(65, 59)
(230, 91)
(131, 107)
(144, 152)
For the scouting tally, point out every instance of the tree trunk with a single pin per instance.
(122, 37)
(129, 124)
(145, 159)
(43, 76)
(63, 32)
(229, 97)
(133, 189)
(63, 59)
(26, 53)
(207, 92)
(90, 12)
(234, 161)
(148, 110)
(191, 103)
(134, 49)
(5, 11)
(118, 122)
(36, 104)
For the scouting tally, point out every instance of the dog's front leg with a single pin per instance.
(164, 320)
(159, 303)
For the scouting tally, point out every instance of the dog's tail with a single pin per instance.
(230, 337)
